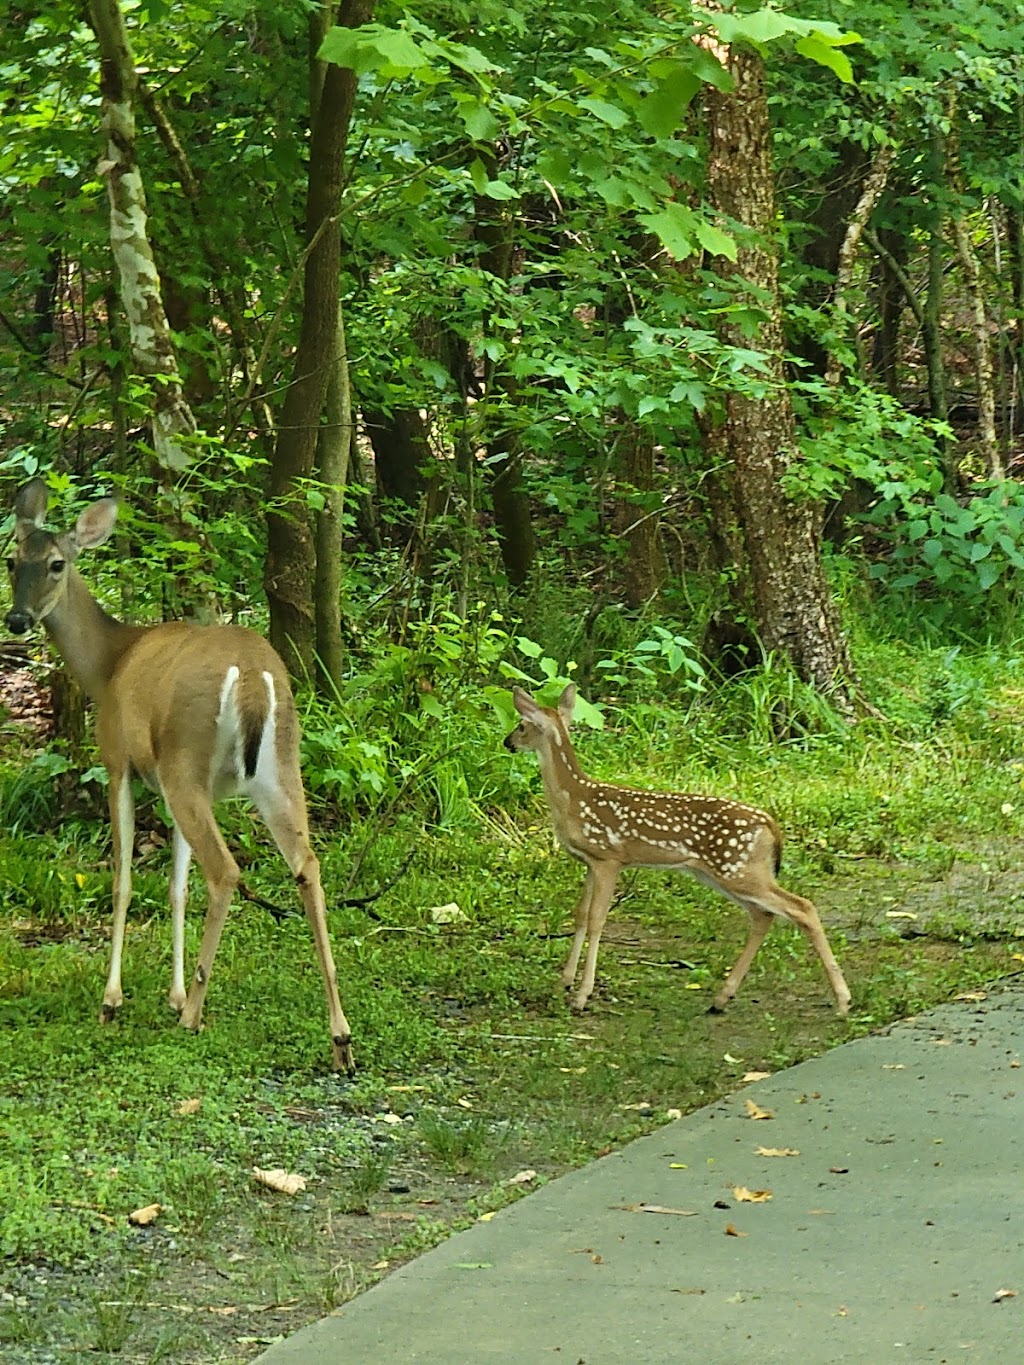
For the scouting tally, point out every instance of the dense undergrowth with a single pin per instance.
(471, 1068)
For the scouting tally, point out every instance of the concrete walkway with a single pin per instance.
(891, 1231)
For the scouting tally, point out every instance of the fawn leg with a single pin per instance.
(604, 877)
(582, 915)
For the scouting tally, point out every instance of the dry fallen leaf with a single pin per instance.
(673, 1113)
(447, 914)
(189, 1107)
(893, 1066)
(284, 1182)
(730, 1231)
(464, 1103)
(941, 1042)
(380, 1265)
(755, 1111)
(776, 1151)
(142, 1218)
(757, 1075)
(839, 1170)
(486, 1217)
(522, 1178)
(745, 1196)
(972, 997)
(1001, 1294)
(688, 1291)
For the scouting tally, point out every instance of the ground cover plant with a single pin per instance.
(475, 1081)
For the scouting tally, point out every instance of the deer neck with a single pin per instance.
(89, 641)
(562, 776)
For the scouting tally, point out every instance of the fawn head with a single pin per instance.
(540, 724)
(42, 560)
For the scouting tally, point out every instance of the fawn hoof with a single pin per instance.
(176, 1000)
(343, 1060)
(108, 1012)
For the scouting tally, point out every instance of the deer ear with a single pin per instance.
(29, 507)
(524, 703)
(95, 524)
(566, 703)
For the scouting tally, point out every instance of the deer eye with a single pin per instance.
(57, 566)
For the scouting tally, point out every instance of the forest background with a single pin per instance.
(676, 351)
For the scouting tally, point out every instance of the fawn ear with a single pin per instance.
(566, 702)
(524, 703)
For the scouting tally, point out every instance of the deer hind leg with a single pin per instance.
(603, 877)
(804, 915)
(180, 859)
(283, 807)
(773, 900)
(122, 827)
(192, 814)
(581, 917)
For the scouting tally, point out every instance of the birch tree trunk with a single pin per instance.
(148, 329)
(755, 441)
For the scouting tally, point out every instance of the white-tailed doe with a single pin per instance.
(730, 846)
(198, 713)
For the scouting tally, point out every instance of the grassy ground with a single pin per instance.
(472, 1071)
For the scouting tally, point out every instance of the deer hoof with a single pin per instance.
(108, 1012)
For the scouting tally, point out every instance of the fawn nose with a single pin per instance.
(507, 740)
(19, 622)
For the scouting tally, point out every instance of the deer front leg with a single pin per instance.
(122, 828)
(603, 879)
(581, 917)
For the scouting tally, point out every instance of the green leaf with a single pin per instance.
(672, 226)
(813, 48)
(372, 47)
(480, 123)
(713, 239)
(607, 113)
(661, 112)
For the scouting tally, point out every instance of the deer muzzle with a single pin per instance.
(19, 622)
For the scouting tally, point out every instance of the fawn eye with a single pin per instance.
(57, 566)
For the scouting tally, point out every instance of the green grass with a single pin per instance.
(471, 1067)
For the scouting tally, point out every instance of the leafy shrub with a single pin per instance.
(964, 560)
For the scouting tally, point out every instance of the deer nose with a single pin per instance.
(507, 741)
(19, 622)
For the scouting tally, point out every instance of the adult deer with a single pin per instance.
(198, 713)
(727, 845)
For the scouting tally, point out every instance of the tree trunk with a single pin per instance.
(871, 192)
(790, 604)
(333, 446)
(149, 333)
(290, 570)
(645, 568)
(512, 513)
(890, 302)
(995, 466)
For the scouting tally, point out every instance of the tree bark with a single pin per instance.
(290, 570)
(754, 442)
(870, 194)
(995, 466)
(149, 332)
(333, 446)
